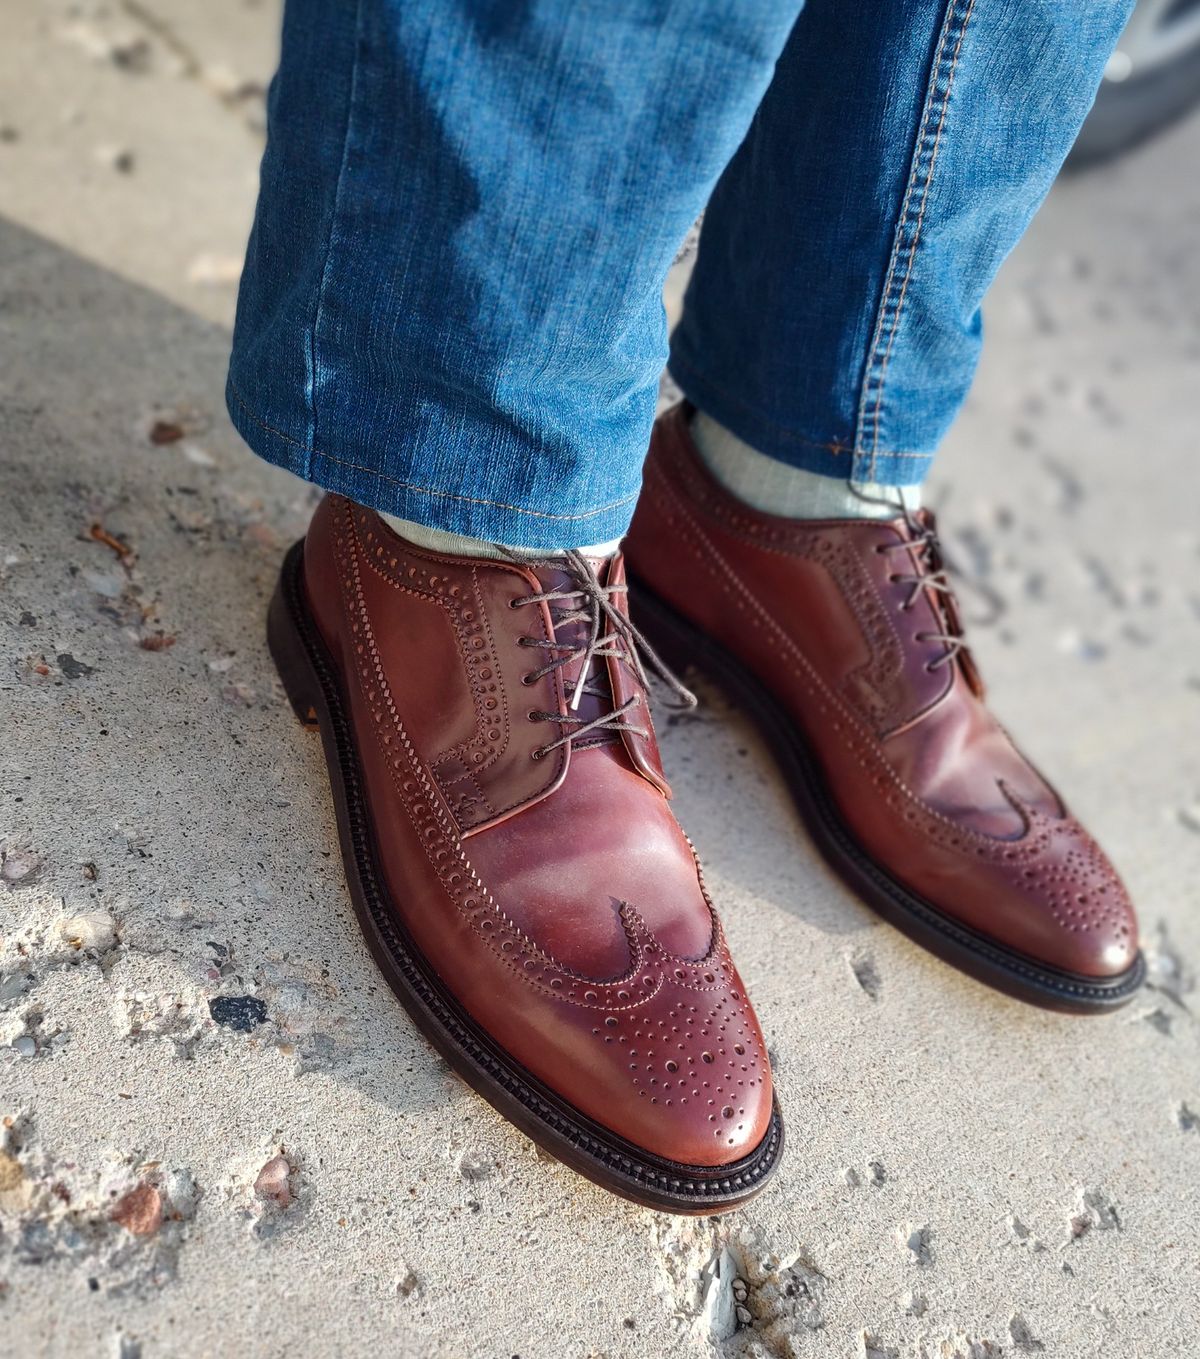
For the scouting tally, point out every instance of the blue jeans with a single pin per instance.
(451, 307)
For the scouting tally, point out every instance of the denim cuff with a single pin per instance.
(480, 461)
(834, 457)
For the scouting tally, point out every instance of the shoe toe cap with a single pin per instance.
(697, 1074)
(1086, 923)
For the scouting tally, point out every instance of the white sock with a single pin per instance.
(773, 487)
(455, 544)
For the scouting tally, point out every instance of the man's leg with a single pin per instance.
(829, 334)
(451, 308)
(452, 313)
(832, 321)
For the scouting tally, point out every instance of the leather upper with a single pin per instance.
(844, 622)
(551, 888)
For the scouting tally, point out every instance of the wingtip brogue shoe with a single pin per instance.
(842, 638)
(513, 858)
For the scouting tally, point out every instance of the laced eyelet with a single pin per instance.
(516, 603)
(536, 754)
(534, 715)
(527, 679)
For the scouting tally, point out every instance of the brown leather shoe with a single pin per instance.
(842, 639)
(513, 860)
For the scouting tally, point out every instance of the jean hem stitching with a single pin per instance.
(412, 485)
(836, 447)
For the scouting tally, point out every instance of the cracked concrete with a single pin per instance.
(219, 1133)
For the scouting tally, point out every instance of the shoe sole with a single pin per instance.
(311, 681)
(682, 644)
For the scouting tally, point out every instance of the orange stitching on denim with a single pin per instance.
(831, 446)
(413, 486)
(893, 325)
(477, 500)
(912, 253)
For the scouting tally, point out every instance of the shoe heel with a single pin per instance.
(287, 648)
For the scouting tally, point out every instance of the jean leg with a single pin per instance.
(451, 307)
(833, 317)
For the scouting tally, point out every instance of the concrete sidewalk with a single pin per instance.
(219, 1134)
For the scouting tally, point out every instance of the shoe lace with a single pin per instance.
(927, 576)
(586, 601)
(930, 572)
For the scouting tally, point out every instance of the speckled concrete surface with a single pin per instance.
(220, 1135)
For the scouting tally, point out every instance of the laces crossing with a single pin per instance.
(603, 631)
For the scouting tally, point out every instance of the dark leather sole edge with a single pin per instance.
(310, 680)
(681, 644)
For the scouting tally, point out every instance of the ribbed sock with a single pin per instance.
(773, 487)
(455, 544)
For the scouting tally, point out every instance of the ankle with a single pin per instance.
(774, 487)
(458, 545)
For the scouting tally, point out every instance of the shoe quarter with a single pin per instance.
(819, 589)
(445, 626)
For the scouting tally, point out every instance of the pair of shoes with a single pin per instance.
(506, 829)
